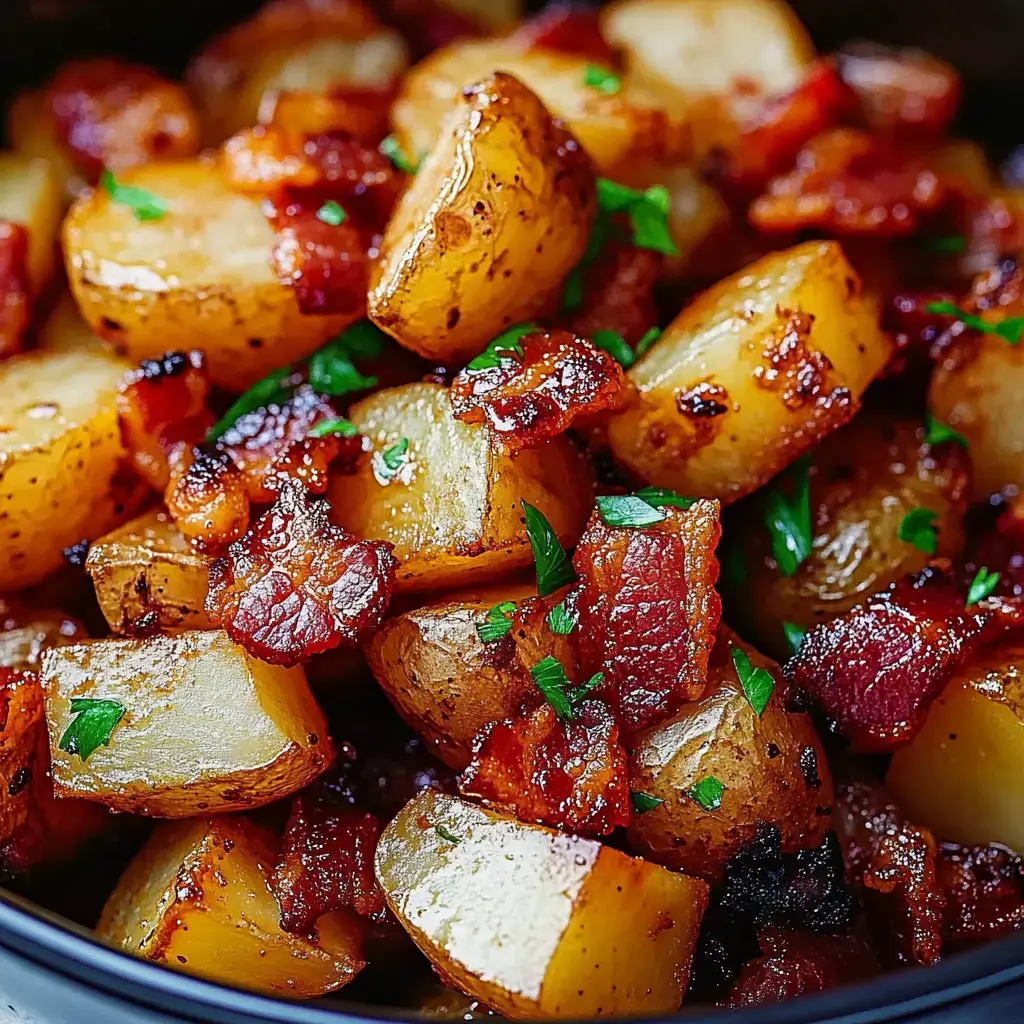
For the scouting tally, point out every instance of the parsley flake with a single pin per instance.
(947, 245)
(331, 213)
(708, 793)
(273, 389)
(92, 727)
(507, 342)
(982, 586)
(386, 464)
(648, 339)
(627, 510)
(1009, 330)
(794, 636)
(615, 345)
(390, 148)
(757, 683)
(789, 521)
(659, 497)
(340, 426)
(498, 622)
(560, 620)
(599, 78)
(145, 204)
(644, 802)
(647, 212)
(937, 432)
(554, 570)
(549, 677)
(331, 370)
(917, 527)
(447, 835)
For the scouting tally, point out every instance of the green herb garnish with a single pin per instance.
(507, 341)
(391, 459)
(145, 204)
(627, 510)
(560, 620)
(598, 78)
(947, 245)
(331, 213)
(649, 338)
(794, 636)
(275, 388)
(498, 623)
(757, 683)
(390, 148)
(644, 802)
(572, 292)
(647, 212)
(1009, 330)
(340, 426)
(917, 527)
(447, 835)
(554, 570)
(982, 586)
(936, 432)
(91, 728)
(659, 497)
(708, 793)
(331, 370)
(550, 678)
(615, 345)
(789, 521)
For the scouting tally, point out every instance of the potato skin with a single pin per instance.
(751, 374)
(534, 923)
(864, 478)
(453, 511)
(773, 769)
(199, 277)
(497, 216)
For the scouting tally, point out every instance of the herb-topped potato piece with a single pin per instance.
(534, 923)
(498, 214)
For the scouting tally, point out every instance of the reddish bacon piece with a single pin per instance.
(568, 28)
(162, 405)
(572, 775)
(984, 887)
(429, 24)
(848, 182)
(206, 496)
(529, 398)
(326, 861)
(15, 300)
(876, 669)
(648, 610)
(295, 585)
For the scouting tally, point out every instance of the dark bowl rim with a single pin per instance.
(66, 949)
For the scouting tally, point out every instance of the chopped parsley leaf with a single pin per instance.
(390, 148)
(507, 341)
(789, 521)
(947, 245)
(447, 835)
(937, 432)
(659, 497)
(794, 636)
(982, 586)
(340, 426)
(647, 212)
(757, 683)
(273, 389)
(599, 78)
(649, 338)
(1009, 330)
(554, 570)
(145, 204)
(627, 510)
(393, 458)
(615, 345)
(644, 802)
(550, 678)
(560, 620)
(917, 527)
(498, 622)
(708, 793)
(92, 726)
(331, 213)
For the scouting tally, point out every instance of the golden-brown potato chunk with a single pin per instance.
(751, 374)
(864, 479)
(772, 766)
(25, 632)
(452, 508)
(30, 196)
(59, 452)
(147, 576)
(498, 214)
(534, 923)
(197, 898)
(205, 726)
(961, 775)
(198, 277)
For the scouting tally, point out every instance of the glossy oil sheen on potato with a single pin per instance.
(534, 923)
(197, 898)
(206, 727)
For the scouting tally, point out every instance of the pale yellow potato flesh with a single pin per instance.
(206, 728)
(25, 633)
(534, 923)
(147, 572)
(453, 510)
(198, 277)
(30, 196)
(962, 776)
(31, 130)
(197, 898)
(731, 344)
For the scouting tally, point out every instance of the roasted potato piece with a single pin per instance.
(446, 682)
(26, 632)
(197, 898)
(59, 453)
(961, 774)
(148, 576)
(615, 130)
(498, 214)
(63, 329)
(864, 479)
(198, 277)
(30, 196)
(31, 133)
(751, 374)
(534, 923)
(772, 766)
(205, 726)
(21, 700)
(452, 508)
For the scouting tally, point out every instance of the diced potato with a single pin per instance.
(197, 898)
(534, 923)
(445, 682)
(453, 509)
(496, 217)
(30, 196)
(755, 371)
(962, 776)
(199, 277)
(63, 329)
(30, 132)
(206, 726)
(60, 448)
(615, 130)
(26, 632)
(772, 766)
(147, 572)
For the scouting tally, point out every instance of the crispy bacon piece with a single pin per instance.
(901, 90)
(15, 292)
(326, 861)
(567, 27)
(206, 495)
(571, 775)
(648, 611)
(162, 405)
(118, 115)
(876, 669)
(984, 887)
(295, 585)
(849, 182)
(529, 398)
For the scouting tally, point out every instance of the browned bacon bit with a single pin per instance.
(15, 302)
(206, 496)
(21, 727)
(161, 405)
(850, 182)
(567, 27)
(326, 861)
(571, 775)
(876, 669)
(984, 887)
(118, 115)
(648, 610)
(901, 90)
(529, 398)
(295, 585)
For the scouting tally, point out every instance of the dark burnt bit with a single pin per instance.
(206, 496)
(703, 401)
(22, 777)
(791, 367)
(170, 364)
(76, 554)
(809, 767)
(454, 315)
(110, 326)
